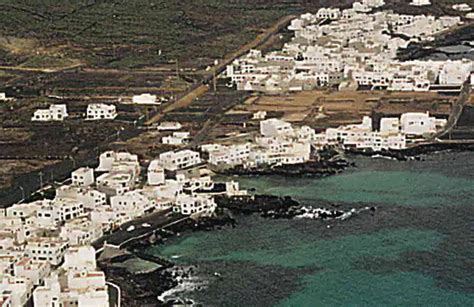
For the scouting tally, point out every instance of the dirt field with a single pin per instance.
(322, 109)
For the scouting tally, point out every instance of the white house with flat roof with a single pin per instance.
(390, 124)
(328, 13)
(230, 155)
(195, 205)
(33, 270)
(81, 231)
(53, 212)
(177, 138)
(109, 159)
(145, 99)
(98, 111)
(420, 2)
(274, 127)
(16, 228)
(173, 161)
(106, 217)
(169, 126)
(88, 196)
(133, 203)
(3, 97)
(24, 211)
(49, 249)
(115, 183)
(56, 112)
(80, 258)
(83, 177)
(84, 288)
(19, 287)
(155, 173)
(418, 124)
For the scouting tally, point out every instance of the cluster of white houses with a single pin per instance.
(58, 112)
(45, 245)
(394, 133)
(351, 48)
(279, 143)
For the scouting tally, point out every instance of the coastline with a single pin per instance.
(144, 288)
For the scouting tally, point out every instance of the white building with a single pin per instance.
(83, 177)
(132, 204)
(81, 231)
(82, 289)
(419, 124)
(390, 124)
(195, 205)
(169, 126)
(122, 171)
(177, 138)
(3, 97)
(353, 48)
(462, 7)
(80, 258)
(230, 155)
(328, 13)
(17, 290)
(420, 2)
(260, 115)
(116, 183)
(362, 136)
(373, 3)
(275, 127)
(32, 270)
(49, 249)
(106, 217)
(455, 72)
(89, 197)
(24, 211)
(275, 151)
(98, 111)
(48, 295)
(155, 173)
(110, 159)
(16, 228)
(54, 212)
(173, 161)
(56, 112)
(145, 99)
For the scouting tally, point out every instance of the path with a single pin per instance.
(456, 111)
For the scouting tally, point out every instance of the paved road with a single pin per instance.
(156, 220)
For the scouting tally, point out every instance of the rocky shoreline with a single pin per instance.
(414, 153)
(312, 168)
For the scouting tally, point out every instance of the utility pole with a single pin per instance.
(177, 68)
(22, 192)
(40, 174)
(214, 78)
(216, 62)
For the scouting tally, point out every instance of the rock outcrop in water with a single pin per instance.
(313, 168)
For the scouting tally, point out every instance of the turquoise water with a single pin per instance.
(416, 249)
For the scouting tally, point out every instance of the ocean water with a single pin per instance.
(416, 249)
